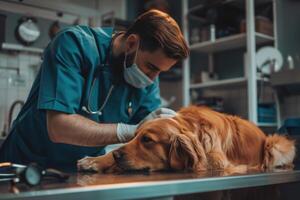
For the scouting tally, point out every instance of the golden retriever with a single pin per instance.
(197, 139)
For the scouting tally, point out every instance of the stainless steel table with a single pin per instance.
(141, 186)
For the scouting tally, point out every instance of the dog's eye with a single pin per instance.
(146, 139)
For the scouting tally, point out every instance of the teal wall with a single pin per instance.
(288, 12)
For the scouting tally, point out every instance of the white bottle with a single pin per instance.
(212, 33)
(291, 62)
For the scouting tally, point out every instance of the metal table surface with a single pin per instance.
(141, 186)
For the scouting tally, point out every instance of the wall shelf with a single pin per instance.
(219, 83)
(239, 81)
(230, 42)
(18, 47)
(265, 124)
(237, 3)
(286, 82)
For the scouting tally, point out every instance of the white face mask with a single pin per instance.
(134, 76)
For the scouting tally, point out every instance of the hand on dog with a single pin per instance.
(89, 164)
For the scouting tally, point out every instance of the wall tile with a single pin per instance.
(3, 60)
(12, 61)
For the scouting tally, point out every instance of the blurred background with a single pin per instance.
(245, 55)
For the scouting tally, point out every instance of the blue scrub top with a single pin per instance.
(71, 61)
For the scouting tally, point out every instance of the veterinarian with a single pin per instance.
(93, 89)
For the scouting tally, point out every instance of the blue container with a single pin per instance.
(266, 113)
(291, 126)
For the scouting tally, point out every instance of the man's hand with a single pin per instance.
(126, 132)
(99, 164)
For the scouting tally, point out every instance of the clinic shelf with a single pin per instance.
(218, 83)
(223, 83)
(264, 124)
(229, 42)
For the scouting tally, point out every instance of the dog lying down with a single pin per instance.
(197, 139)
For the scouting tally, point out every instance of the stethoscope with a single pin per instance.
(31, 174)
(99, 112)
(87, 108)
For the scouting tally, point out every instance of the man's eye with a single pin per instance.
(146, 139)
(152, 68)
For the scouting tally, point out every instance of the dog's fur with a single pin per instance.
(197, 139)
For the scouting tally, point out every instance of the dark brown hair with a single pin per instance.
(159, 30)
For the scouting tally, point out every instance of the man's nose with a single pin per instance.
(118, 155)
(153, 75)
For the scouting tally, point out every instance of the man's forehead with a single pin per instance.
(159, 60)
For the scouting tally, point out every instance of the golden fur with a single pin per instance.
(197, 139)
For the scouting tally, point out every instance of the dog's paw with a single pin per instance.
(89, 164)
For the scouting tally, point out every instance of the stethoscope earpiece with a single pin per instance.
(84, 109)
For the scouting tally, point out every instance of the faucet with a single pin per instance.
(7, 124)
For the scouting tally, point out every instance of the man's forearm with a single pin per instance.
(77, 130)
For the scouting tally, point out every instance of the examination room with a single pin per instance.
(150, 99)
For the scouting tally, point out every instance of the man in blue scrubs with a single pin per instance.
(93, 89)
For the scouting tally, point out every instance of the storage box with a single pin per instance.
(262, 25)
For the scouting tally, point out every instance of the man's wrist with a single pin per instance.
(125, 132)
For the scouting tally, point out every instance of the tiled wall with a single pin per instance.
(10, 88)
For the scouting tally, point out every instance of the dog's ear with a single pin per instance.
(186, 152)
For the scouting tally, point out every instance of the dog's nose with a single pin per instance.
(118, 155)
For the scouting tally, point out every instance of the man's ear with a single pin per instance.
(186, 152)
(131, 43)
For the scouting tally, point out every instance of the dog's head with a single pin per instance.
(162, 144)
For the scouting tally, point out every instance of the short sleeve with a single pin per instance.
(61, 82)
(151, 102)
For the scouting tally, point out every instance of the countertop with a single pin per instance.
(148, 185)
